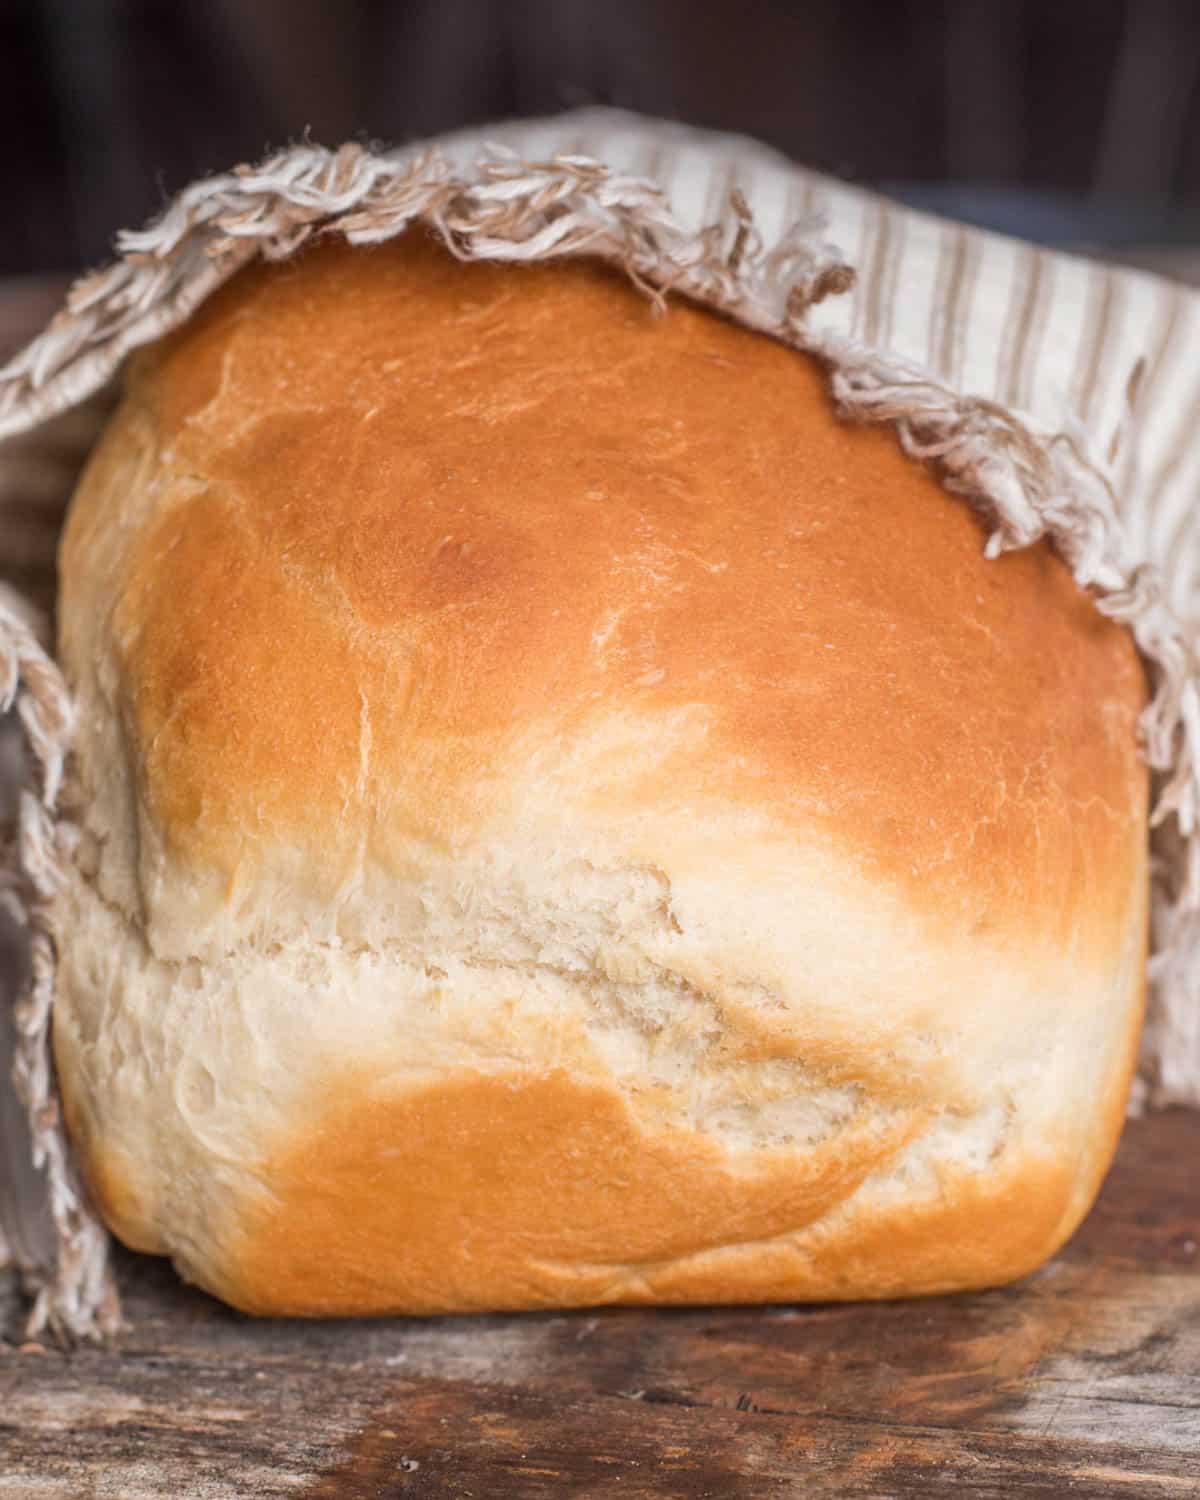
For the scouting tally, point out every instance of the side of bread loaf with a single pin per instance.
(564, 819)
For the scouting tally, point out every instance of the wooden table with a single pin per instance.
(1083, 1380)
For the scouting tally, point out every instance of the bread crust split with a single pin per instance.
(564, 819)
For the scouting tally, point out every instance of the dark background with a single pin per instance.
(1074, 121)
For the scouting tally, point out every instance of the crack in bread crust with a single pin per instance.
(384, 1141)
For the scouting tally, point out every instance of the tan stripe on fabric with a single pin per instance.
(1019, 361)
(962, 294)
(889, 278)
(1018, 309)
(958, 270)
(876, 233)
(1099, 325)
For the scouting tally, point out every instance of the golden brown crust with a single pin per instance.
(516, 1192)
(496, 503)
(566, 819)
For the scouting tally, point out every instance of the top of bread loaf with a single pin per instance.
(434, 547)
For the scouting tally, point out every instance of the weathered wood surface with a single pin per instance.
(1085, 1379)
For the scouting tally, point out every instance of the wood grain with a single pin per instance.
(1084, 1379)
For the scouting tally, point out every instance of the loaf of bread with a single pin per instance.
(564, 819)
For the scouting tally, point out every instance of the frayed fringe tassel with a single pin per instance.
(76, 1297)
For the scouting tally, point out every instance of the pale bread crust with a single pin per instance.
(566, 820)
